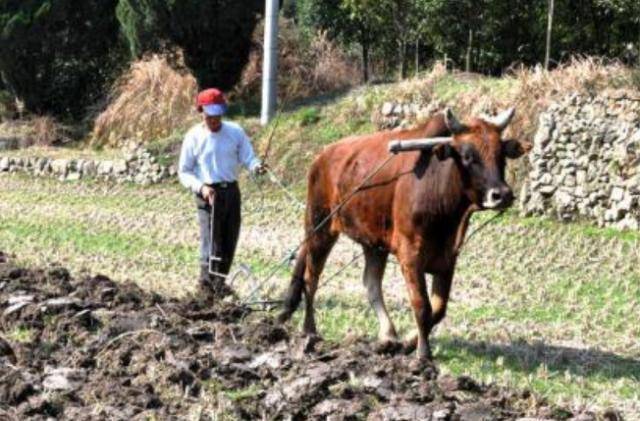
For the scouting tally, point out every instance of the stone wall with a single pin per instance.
(138, 167)
(403, 114)
(585, 163)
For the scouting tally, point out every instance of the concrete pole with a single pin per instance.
(270, 62)
(547, 51)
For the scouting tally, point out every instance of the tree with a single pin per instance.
(358, 22)
(215, 35)
(58, 56)
(368, 23)
(401, 11)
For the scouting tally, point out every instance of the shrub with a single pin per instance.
(57, 56)
(148, 102)
(305, 67)
(214, 35)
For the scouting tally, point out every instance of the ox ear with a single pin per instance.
(452, 122)
(514, 149)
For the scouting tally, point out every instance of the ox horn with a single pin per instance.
(502, 120)
(396, 146)
(452, 122)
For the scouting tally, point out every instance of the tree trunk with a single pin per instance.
(549, 26)
(467, 65)
(402, 54)
(417, 56)
(365, 62)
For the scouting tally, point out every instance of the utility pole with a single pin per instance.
(270, 61)
(549, 26)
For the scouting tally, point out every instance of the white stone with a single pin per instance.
(89, 168)
(60, 166)
(547, 190)
(105, 167)
(626, 203)
(387, 109)
(73, 176)
(120, 166)
(617, 194)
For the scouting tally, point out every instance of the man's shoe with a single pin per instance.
(212, 286)
(220, 289)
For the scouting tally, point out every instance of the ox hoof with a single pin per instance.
(308, 344)
(388, 346)
(283, 317)
(424, 368)
(410, 343)
(424, 355)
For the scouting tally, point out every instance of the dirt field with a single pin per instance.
(93, 349)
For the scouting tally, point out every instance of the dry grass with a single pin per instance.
(38, 131)
(535, 304)
(530, 90)
(46, 131)
(148, 102)
(536, 88)
(8, 108)
(306, 68)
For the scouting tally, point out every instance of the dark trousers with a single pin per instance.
(226, 229)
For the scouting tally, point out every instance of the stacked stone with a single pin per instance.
(403, 114)
(138, 167)
(585, 162)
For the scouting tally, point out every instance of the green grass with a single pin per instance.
(450, 87)
(535, 304)
(21, 335)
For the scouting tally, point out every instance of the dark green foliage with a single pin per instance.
(215, 35)
(289, 8)
(492, 34)
(57, 56)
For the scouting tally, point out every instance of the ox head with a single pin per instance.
(480, 153)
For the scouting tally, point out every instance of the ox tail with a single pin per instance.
(293, 296)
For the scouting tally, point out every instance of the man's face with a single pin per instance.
(214, 123)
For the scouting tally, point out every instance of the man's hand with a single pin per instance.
(261, 169)
(207, 194)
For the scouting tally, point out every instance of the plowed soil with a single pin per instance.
(93, 349)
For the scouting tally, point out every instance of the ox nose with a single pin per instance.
(498, 197)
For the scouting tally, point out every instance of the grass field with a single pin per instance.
(537, 305)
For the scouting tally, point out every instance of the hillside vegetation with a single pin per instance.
(151, 107)
(536, 304)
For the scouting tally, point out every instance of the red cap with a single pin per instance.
(211, 96)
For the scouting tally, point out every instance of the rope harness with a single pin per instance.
(460, 241)
(291, 255)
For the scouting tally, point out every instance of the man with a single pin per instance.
(211, 154)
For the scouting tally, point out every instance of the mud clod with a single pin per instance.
(93, 349)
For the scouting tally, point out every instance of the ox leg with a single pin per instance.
(440, 295)
(416, 286)
(293, 296)
(318, 251)
(375, 262)
(439, 300)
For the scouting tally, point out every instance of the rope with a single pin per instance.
(480, 228)
(291, 255)
(277, 181)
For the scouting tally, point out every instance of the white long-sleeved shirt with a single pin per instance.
(212, 157)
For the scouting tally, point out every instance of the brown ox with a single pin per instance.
(416, 207)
